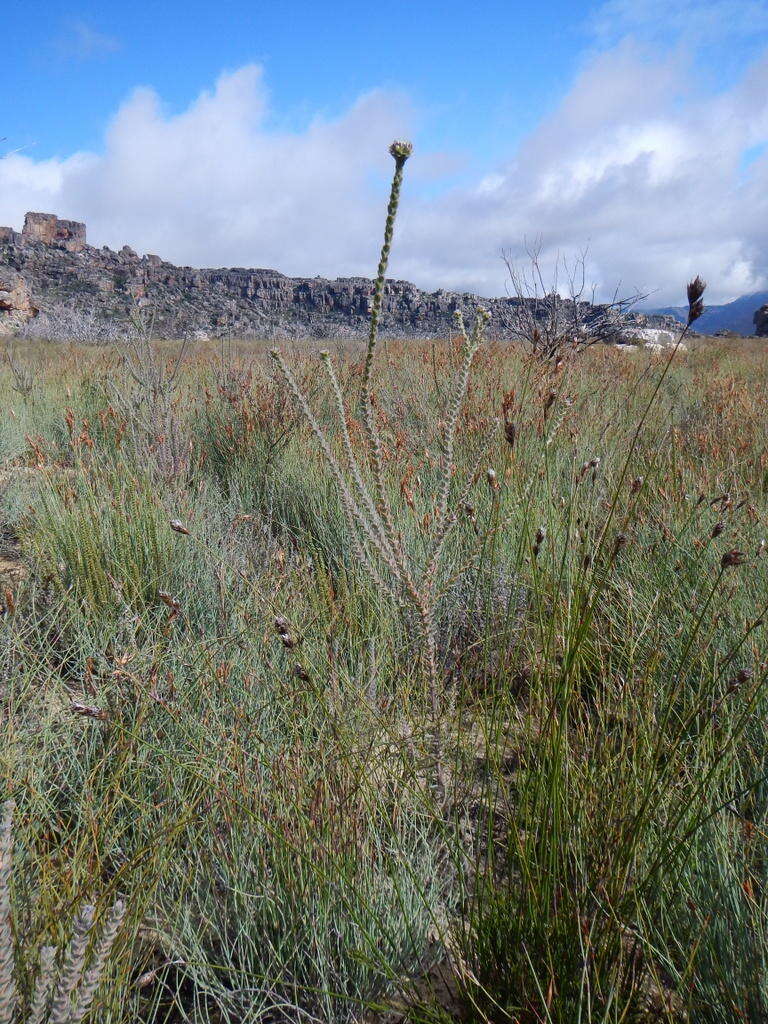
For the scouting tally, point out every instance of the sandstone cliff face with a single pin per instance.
(15, 301)
(47, 228)
(61, 271)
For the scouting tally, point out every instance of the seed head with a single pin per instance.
(717, 529)
(400, 151)
(284, 632)
(178, 527)
(593, 464)
(490, 476)
(10, 603)
(733, 558)
(695, 304)
(695, 289)
(89, 711)
(541, 533)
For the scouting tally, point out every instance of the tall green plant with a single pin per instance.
(377, 543)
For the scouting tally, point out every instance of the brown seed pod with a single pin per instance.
(88, 711)
(732, 558)
(541, 533)
(695, 291)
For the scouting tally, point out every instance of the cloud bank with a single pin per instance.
(658, 179)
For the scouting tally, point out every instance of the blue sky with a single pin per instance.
(479, 75)
(255, 133)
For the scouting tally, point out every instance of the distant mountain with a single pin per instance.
(733, 316)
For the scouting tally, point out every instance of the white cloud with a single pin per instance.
(636, 163)
(214, 186)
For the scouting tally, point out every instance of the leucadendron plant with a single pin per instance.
(411, 582)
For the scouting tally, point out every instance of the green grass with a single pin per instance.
(276, 832)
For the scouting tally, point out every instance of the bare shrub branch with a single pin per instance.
(557, 315)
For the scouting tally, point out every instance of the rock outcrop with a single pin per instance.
(661, 337)
(15, 301)
(62, 272)
(47, 228)
(760, 321)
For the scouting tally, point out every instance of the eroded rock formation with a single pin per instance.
(62, 272)
(15, 301)
(48, 229)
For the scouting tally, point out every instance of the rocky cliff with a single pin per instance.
(49, 267)
(15, 300)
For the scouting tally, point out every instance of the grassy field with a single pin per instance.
(417, 681)
(231, 729)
